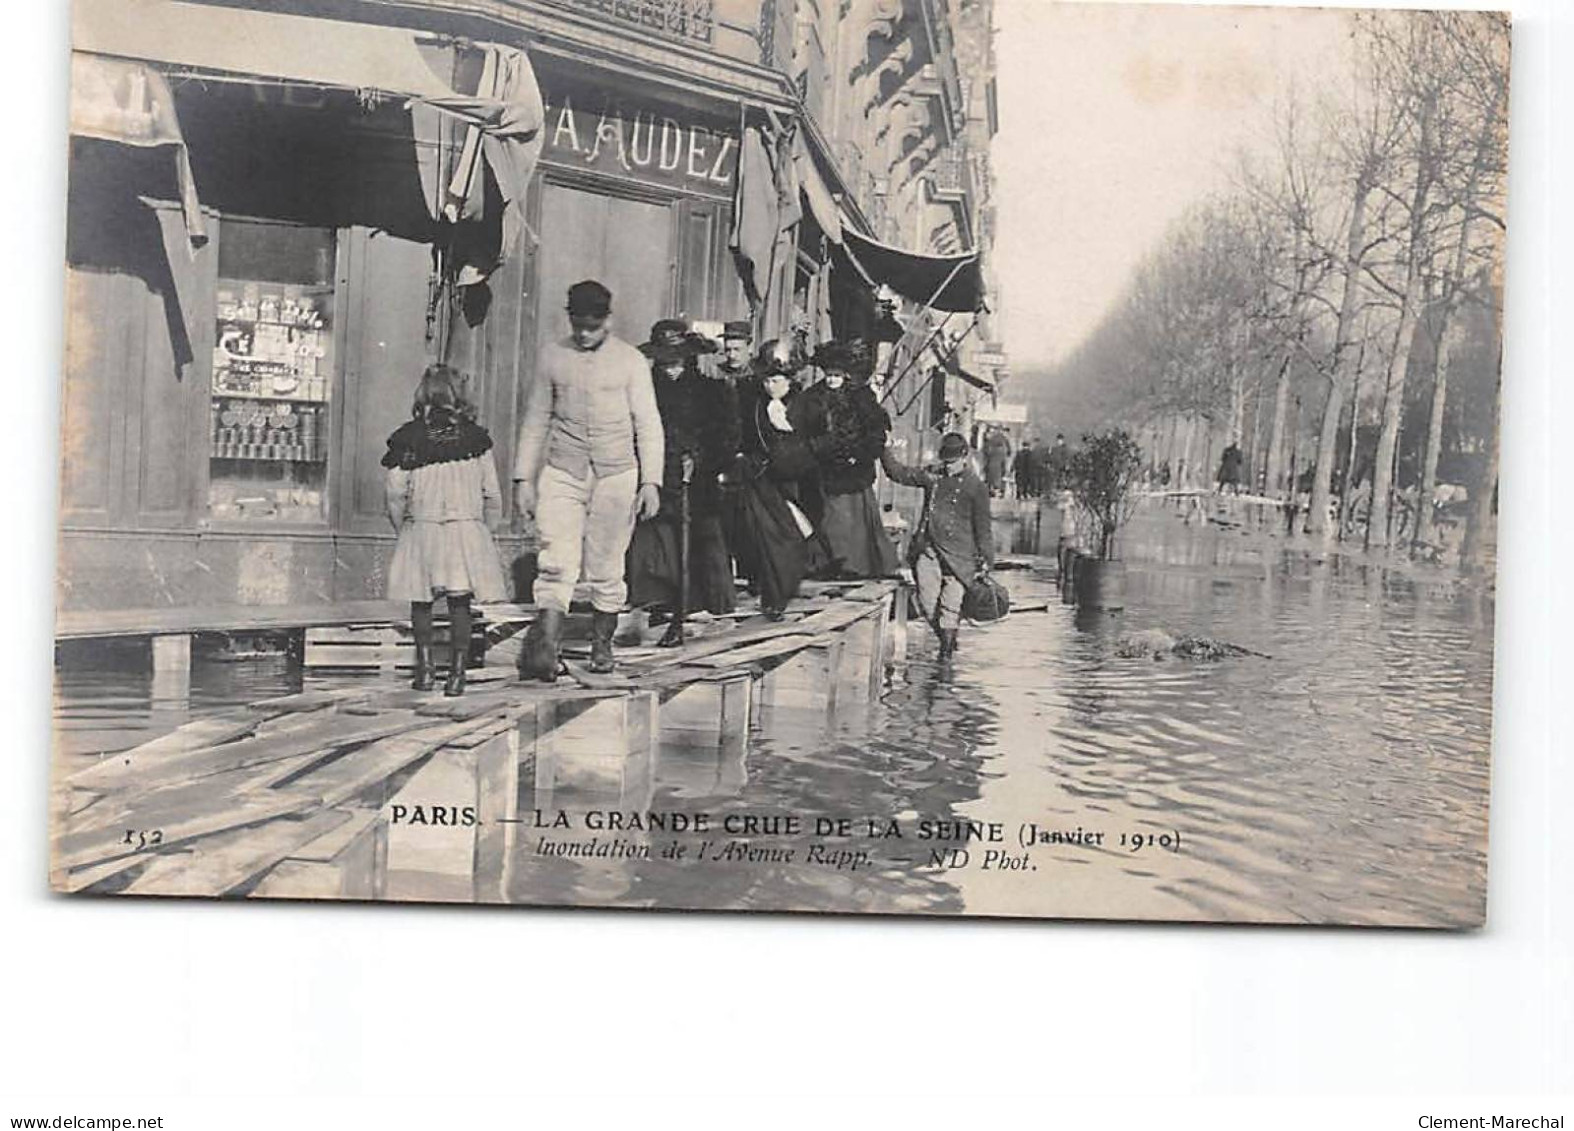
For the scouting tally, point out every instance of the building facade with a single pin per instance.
(253, 292)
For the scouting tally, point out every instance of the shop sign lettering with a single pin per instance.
(645, 144)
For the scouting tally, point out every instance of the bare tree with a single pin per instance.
(1475, 46)
(1368, 133)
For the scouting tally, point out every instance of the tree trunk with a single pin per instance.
(1274, 464)
(1377, 536)
(1355, 432)
(1445, 344)
(1383, 479)
(1344, 360)
(1473, 553)
(1434, 434)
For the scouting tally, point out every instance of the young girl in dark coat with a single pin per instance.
(443, 498)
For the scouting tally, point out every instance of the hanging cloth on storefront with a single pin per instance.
(130, 103)
(822, 205)
(509, 102)
(245, 45)
(765, 206)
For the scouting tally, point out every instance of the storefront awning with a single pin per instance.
(130, 103)
(265, 44)
(822, 205)
(507, 111)
(951, 283)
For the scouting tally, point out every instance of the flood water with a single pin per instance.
(1342, 777)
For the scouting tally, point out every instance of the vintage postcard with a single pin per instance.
(927, 457)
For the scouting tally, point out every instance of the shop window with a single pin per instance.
(273, 365)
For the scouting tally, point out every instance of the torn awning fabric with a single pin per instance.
(130, 103)
(248, 45)
(765, 207)
(953, 283)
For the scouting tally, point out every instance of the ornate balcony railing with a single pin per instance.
(693, 21)
(949, 175)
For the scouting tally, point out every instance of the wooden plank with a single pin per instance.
(330, 844)
(834, 618)
(477, 737)
(309, 700)
(198, 734)
(215, 866)
(360, 770)
(690, 652)
(96, 623)
(328, 733)
(98, 846)
(870, 591)
(467, 706)
(130, 810)
(763, 650)
(201, 734)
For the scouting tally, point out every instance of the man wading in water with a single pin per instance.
(590, 449)
(954, 542)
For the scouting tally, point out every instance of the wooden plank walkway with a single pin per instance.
(296, 796)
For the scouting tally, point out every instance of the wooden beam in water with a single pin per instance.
(807, 679)
(606, 749)
(863, 654)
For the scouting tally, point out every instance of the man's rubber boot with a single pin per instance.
(538, 657)
(602, 627)
(422, 680)
(947, 643)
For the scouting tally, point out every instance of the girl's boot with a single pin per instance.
(458, 644)
(421, 628)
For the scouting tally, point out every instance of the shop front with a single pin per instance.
(247, 321)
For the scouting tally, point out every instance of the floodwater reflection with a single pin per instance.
(1342, 779)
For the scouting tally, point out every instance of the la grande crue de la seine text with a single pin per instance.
(767, 825)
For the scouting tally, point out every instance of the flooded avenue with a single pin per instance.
(1343, 778)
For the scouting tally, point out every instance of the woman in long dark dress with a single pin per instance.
(773, 543)
(846, 430)
(699, 417)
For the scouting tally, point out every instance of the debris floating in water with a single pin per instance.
(1157, 643)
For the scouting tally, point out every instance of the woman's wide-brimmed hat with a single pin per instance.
(671, 339)
(833, 355)
(851, 356)
(777, 358)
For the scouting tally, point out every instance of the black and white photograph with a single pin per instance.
(894, 457)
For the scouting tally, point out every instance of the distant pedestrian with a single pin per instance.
(1057, 465)
(443, 499)
(1022, 471)
(997, 458)
(1229, 477)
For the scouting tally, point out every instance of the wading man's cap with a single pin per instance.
(953, 445)
(589, 299)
